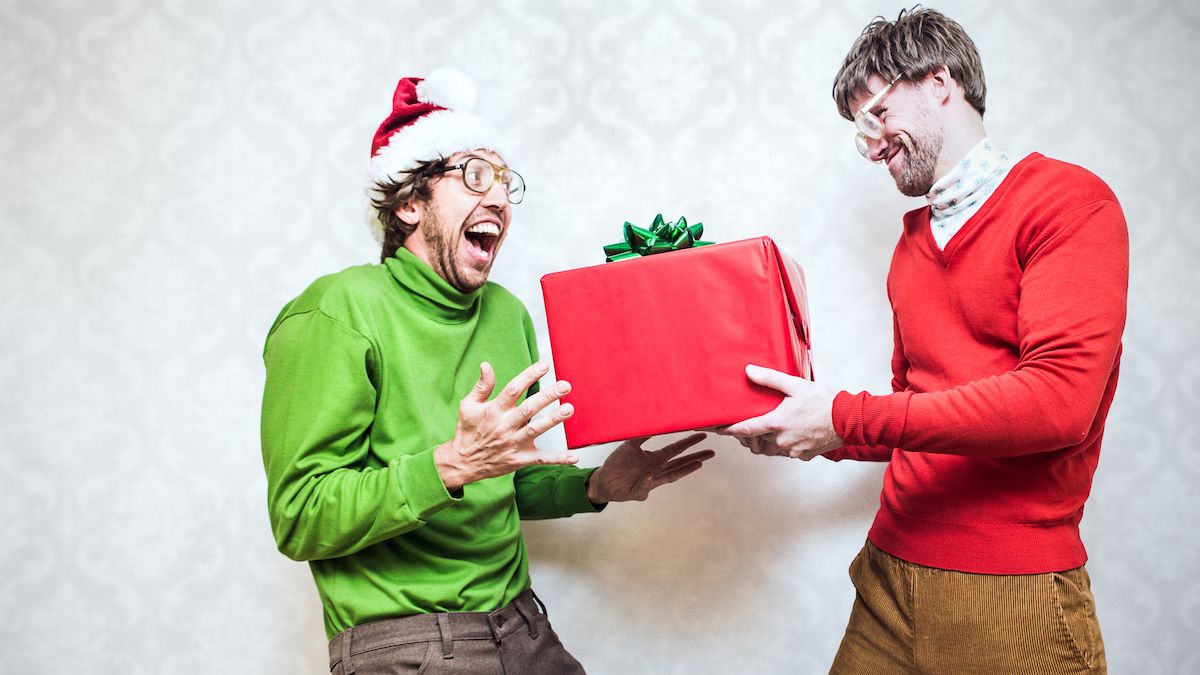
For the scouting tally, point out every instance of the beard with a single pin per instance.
(921, 151)
(442, 244)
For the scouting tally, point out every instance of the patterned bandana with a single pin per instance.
(955, 197)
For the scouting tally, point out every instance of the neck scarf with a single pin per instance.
(958, 195)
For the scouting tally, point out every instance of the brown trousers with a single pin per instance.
(908, 618)
(513, 640)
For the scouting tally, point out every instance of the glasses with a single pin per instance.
(870, 126)
(479, 175)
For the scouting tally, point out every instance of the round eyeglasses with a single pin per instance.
(478, 175)
(868, 124)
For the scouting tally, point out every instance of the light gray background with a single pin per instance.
(174, 172)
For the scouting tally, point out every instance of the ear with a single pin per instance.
(410, 212)
(941, 85)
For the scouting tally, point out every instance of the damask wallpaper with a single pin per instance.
(174, 172)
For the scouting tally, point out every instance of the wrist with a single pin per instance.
(592, 485)
(446, 459)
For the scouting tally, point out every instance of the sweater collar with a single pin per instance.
(969, 182)
(443, 301)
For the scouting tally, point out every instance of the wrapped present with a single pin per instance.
(658, 341)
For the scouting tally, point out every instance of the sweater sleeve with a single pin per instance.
(1070, 316)
(318, 406)
(557, 491)
(878, 453)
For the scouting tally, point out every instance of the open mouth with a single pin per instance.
(481, 240)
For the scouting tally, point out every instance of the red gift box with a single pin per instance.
(659, 344)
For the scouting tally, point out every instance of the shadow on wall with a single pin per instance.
(740, 525)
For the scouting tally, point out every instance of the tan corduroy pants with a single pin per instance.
(909, 618)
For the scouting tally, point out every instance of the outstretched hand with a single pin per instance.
(801, 426)
(630, 473)
(496, 437)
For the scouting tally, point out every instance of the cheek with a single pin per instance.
(454, 212)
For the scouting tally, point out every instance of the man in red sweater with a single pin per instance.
(1008, 296)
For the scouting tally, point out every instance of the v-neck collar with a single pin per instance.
(944, 255)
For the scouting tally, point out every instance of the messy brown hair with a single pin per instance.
(917, 43)
(387, 195)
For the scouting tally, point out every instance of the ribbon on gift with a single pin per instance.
(661, 237)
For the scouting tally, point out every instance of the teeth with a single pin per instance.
(485, 228)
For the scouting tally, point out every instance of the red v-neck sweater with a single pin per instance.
(1007, 346)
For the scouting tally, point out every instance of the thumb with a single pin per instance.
(755, 426)
(482, 390)
(781, 382)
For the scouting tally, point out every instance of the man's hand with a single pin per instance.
(496, 437)
(800, 427)
(630, 473)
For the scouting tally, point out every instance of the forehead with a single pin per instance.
(478, 152)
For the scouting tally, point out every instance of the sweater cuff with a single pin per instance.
(570, 493)
(421, 487)
(863, 419)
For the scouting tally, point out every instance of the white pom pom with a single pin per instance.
(449, 88)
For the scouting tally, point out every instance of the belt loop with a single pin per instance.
(523, 608)
(447, 637)
(494, 625)
(541, 605)
(347, 663)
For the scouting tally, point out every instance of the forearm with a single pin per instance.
(544, 492)
(343, 511)
(1007, 415)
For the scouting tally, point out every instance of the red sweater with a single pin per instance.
(1007, 346)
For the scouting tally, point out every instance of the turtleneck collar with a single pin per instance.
(955, 197)
(444, 302)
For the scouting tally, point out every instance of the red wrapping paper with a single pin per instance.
(659, 344)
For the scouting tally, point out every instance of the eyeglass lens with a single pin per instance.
(479, 175)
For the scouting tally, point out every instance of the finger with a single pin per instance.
(755, 426)
(545, 423)
(756, 445)
(538, 402)
(679, 446)
(483, 388)
(781, 382)
(536, 457)
(520, 384)
(702, 456)
(675, 474)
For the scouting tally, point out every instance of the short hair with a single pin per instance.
(917, 43)
(415, 184)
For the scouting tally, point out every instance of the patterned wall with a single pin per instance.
(173, 172)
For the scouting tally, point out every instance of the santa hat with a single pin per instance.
(430, 119)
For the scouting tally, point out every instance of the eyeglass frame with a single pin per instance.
(860, 139)
(497, 170)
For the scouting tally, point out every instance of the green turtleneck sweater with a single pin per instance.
(365, 372)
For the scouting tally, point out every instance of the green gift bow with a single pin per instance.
(660, 238)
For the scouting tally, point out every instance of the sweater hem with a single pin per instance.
(979, 548)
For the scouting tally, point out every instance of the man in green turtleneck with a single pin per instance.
(391, 468)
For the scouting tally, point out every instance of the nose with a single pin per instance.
(496, 196)
(877, 149)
